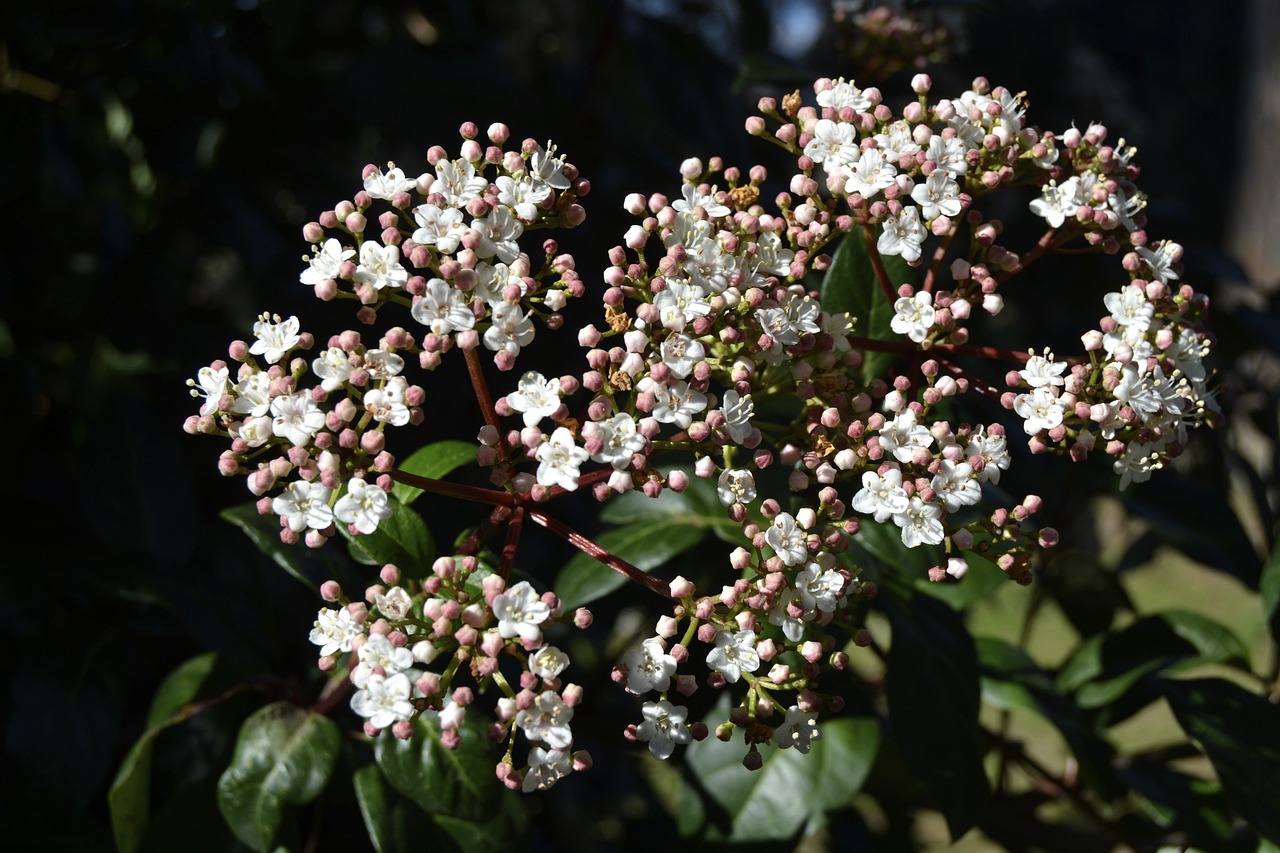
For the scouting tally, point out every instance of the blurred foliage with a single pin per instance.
(167, 154)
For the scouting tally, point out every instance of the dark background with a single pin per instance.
(159, 160)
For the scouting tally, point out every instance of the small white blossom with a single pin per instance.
(939, 195)
(511, 329)
(536, 397)
(737, 411)
(520, 612)
(546, 767)
(304, 505)
(956, 486)
(559, 460)
(377, 652)
(799, 729)
(326, 262)
(363, 506)
(620, 438)
(378, 185)
(296, 418)
(663, 727)
(902, 435)
(384, 700)
(547, 720)
(881, 495)
(706, 201)
(333, 368)
(921, 523)
(213, 386)
(682, 353)
(903, 234)
(394, 604)
(870, 175)
(736, 485)
(913, 316)
(380, 266)
(1039, 409)
(443, 308)
(787, 539)
(275, 337)
(548, 662)
(649, 667)
(1041, 370)
(334, 630)
(734, 654)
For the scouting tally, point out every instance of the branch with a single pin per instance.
(454, 490)
(481, 388)
(877, 263)
(586, 546)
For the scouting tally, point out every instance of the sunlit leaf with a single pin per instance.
(402, 539)
(433, 462)
(645, 545)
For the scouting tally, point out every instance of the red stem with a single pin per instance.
(586, 546)
(455, 490)
(481, 387)
(508, 556)
(936, 262)
(1030, 257)
(877, 263)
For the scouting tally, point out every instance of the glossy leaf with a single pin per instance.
(264, 532)
(1240, 732)
(645, 545)
(393, 822)
(1181, 803)
(284, 756)
(850, 284)
(696, 505)
(983, 578)
(1205, 530)
(933, 695)
(1088, 593)
(790, 790)
(434, 461)
(181, 686)
(403, 539)
(1269, 587)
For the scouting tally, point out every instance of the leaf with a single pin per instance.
(791, 789)
(850, 285)
(393, 822)
(879, 546)
(181, 686)
(403, 539)
(456, 782)
(284, 756)
(1208, 531)
(645, 545)
(1181, 803)
(1088, 594)
(697, 505)
(1240, 732)
(264, 531)
(933, 695)
(983, 578)
(1269, 587)
(434, 461)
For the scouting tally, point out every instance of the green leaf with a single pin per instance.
(645, 545)
(264, 531)
(284, 756)
(1088, 593)
(1208, 531)
(1269, 586)
(434, 462)
(181, 686)
(879, 547)
(403, 539)
(696, 505)
(850, 285)
(790, 790)
(393, 822)
(983, 578)
(1240, 732)
(1181, 803)
(1215, 642)
(933, 693)
(455, 782)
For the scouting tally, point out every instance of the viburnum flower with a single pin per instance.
(902, 435)
(387, 404)
(275, 337)
(955, 485)
(833, 145)
(913, 316)
(675, 404)
(1039, 410)
(384, 700)
(819, 587)
(296, 418)
(559, 460)
(1042, 370)
(394, 604)
(326, 262)
(948, 154)
(706, 201)
(546, 767)
(333, 368)
(938, 195)
(523, 195)
(921, 523)
(511, 329)
(442, 308)
(799, 729)
(213, 386)
(363, 506)
(548, 662)
(663, 727)
(547, 720)
(380, 266)
(1057, 202)
(843, 94)
(457, 182)
(680, 303)
(619, 438)
(993, 451)
(1161, 259)
(681, 353)
(870, 174)
(881, 495)
(382, 364)
(787, 539)
(734, 654)
(521, 612)
(903, 234)
(736, 485)
(377, 652)
(737, 410)
(253, 394)
(548, 168)
(536, 397)
(304, 505)
(443, 228)
(334, 630)
(649, 667)
(384, 186)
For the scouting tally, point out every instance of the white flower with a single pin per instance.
(956, 486)
(921, 523)
(253, 395)
(377, 652)
(676, 404)
(902, 435)
(620, 438)
(792, 626)
(994, 453)
(387, 404)
(213, 386)
(378, 185)
(275, 337)
(296, 418)
(546, 767)
(787, 539)
(559, 460)
(649, 667)
(1148, 394)
(913, 316)
(1137, 463)
(939, 195)
(523, 195)
(737, 411)
(1130, 307)
(903, 234)
(457, 181)
(363, 505)
(819, 587)
(536, 397)
(897, 142)
(384, 700)
(834, 145)
(443, 308)
(326, 262)
(1039, 410)
(881, 496)
(682, 353)
(548, 662)
(841, 95)
(498, 232)
(382, 365)
(304, 505)
(511, 329)
(439, 227)
(663, 728)
(1043, 371)
(254, 432)
(547, 720)
(395, 604)
(1161, 260)
(680, 303)
(799, 729)
(870, 175)
(380, 266)
(332, 367)
(736, 485)
(734, 654)
(948, 154)
(693, 198)
(1057, 202)
(548, 168)
(334, 630)
(520, 612)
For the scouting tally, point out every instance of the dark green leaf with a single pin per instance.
(284, 756)
(1205, 530)
(393, 822)
(1215, 642)
(403, 539)
(879, 547)
(456, 782)
(181, 686)
(850, 284)
(932, 690)
(645, 545)
(434, 462)
(1269, 586)
(696, 505)
(1240, 732)
(790, 790)
(1088, 594)
(983, 578)
(1181, 803)
(264, 531)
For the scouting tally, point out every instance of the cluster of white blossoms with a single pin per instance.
(396, 639)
